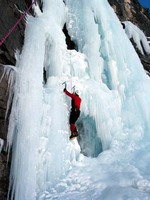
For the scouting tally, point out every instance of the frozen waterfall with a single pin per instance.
(110, 159)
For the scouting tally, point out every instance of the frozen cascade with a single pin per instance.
(138, 36)
(114, 122)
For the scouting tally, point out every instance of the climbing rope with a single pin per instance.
(17, 22)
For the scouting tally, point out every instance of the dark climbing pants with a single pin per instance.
(74, 115)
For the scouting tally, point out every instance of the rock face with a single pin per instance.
(10, 13)
(4, 176)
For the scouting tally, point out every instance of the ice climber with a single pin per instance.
(75, 111)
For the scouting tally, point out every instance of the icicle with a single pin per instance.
(9, 73)
(1, 144)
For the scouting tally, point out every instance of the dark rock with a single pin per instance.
(69, 42)
(10, 12)
(4, 175)
(3, 106)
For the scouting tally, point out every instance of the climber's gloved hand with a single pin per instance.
(64, 89)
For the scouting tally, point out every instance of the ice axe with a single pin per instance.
(73, 89)
(64, 83)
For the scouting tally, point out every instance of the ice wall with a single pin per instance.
(118, 69)
(38, 126)
(112, 83)
(138, 37)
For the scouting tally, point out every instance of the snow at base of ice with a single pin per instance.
(100, 178)
(110, 159)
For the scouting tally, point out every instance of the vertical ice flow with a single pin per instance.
(113, 85)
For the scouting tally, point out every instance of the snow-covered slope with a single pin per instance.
(114, 123)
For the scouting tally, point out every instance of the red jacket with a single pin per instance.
(76, 100)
